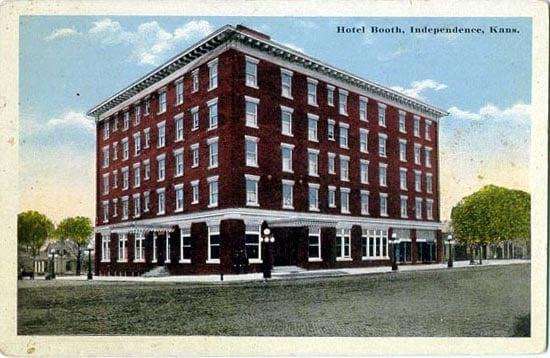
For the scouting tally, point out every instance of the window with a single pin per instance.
(252, 189)
(105, 157)
(213, 74)
(365, 202)
(286, 83)
(178, 156)
(137, 144)
(314, 245)
(106, 129)
(195, 80)
(402, 150)
(213, 245)
(331, 197)
(418, 208)
(286, 120)
(383, 174)
(331, 130)
(161, 201)
(137, 205)
(162, 101)
(404, 207)
(146, 169)
(179, 127)
(126, 121)
(105, 211)
(330, 95)
(125, 208)
(105, 248)
(195, 118)
(212, 152)
(382, 140)
(167, 250)
(427, 129)
(286, 155)
(417, 180)
(382, 114)
(312, 127)
(416, 128)
(429, 188)
(161, 167)
(115, 123)
(146, 201)
(137, 114)
(363, 140)
(313, 162)
(179, 91)
(374, 244)
(195, 155)
(125, 149)
(147, 108)
(403, 178)
(178, 188)
(115, 150)
(161, 139)
(312, 92)
(213, 113)
(417, 148)
(331, 163)
(251, 111)
(364, 171)
(313, 195)
(115, 179)
(430, 209)
(363, 108)
(251, 149)
(402, 128)
(252, 244)
(251, 69)
(343, 102)
(147, 133)
(122, 248)
(383, 204)
(343, 245)
(344, 141)
(213, 191)
(344, 200)
(344, 168)
(185, 246)
(288, 186)
(195, 192)
(137, 175)
(125, 181)
(428, 156)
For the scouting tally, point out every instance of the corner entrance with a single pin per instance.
(285, 247)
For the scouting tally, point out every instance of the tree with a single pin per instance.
(78, 230)
(492, 215)
(33, 229)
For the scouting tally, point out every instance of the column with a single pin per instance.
(414, 247)
(232, 239)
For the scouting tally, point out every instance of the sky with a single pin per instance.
(68, 64)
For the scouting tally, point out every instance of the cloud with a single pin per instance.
(519, 111)
(417, 88)
(392, 55)
(293, 47)
(62, 33)
(74, 120)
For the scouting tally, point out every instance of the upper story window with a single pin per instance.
(364, 171)
(213, 74)
(161, 202)
(146, 201)
(115, 123)
(251, 182)
(382, 114)
(364, 202)
(124, 208)
(125, 178)
(417, 149)
(179, 127)
(383, 174)
(330, 129)
(125, 150)
(363, 108)
(106, 131)
(251, 106)
(363, 140)
(213, 152)
(106, 183)
(403, 178)
(382, 144)
(137, 114)
(331, 163)
(331, 196)
(115, 179)
(402, 117)
(213, 113)
(313, 162)
(312, 91)
(429, 183)
(126, 120)
(344, 200)
(427, 129)
(286, 83)
(404, 207)
(383, 204)
(178, 188)
(146, 169)
(115, 150)
(147, 133)
(416, 126)
(313, 196)
(195, 192)
(195, 118)
(161, 167)
(178, 157)
(137, 175)
(428, 156)
(344, 135)
(286, 155)
(195, 155)
(162, 101)
(179, 91)
(251, 69)
(418, 208)
(251, 144)
(402, 150)
(195, 80)
(312, 127)
(137, 143)
(343, 102)
(286, 120)
(288, 188)
(213, 191)
(344, 168)
(429, 209)
(330, 95)
(418, 180)
(147, 107)
(161, 138)
(105, 157)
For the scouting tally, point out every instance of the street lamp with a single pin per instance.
(52, 265)
(451, 243)
(266, 264)
(394, 241)
(89, 249)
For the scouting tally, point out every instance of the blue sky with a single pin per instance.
(70, 63)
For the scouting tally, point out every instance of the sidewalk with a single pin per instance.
(289, 275)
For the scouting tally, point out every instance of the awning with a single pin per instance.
(298, 222)
(135, 228)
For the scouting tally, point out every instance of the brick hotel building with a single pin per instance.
(239, 131)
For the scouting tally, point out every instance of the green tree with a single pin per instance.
(491, 215)
(33, 229)
(78, 230)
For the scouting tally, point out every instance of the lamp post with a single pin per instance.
(89, 249)
(394, 241)
(451, 243)
(52, 265)
(266, 264)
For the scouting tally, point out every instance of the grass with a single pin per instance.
(481, 301)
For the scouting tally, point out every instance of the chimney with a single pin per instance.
(248, 30)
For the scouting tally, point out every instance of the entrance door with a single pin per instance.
(285, 249)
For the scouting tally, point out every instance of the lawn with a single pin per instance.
(481, 301)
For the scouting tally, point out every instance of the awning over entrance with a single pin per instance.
(131, 228)
(298, 222)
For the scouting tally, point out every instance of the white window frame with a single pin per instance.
(106, 156)
(313, 166)
(125, 149)
(195, 193)
(312, 131)
(285, 72)
(382, 114)
(344, 167)
(195, 119)
(179, 91)
(343, 102)
(402, 121)
(331, 196)
(251, 118)
(403, 178)
(290, 148)
(106, 184)
(312, 95)
(418, 205)
(384, 208)
(161, 138)
(195, 155)
(344, 235)
(365, 205)
(427, 129)
(179, 201)
(344, 192)
(402, 150)
(105, 210)
(313, 188)
(125, 178)
(137, 175)
(146, 169)
(162, 100)
(363, 108)
(251, 79)
(137, 205)
(213, 112)
(343, 137)
(382, 145)
(213, 182)
(364, 174)
(105, 248)
(183, 246)
(213, 74)
(418, 181)
(126, 120)
(161, 167)
(178, 125)
(161, 209)
(213, 152)
(315, 232)
(429, 209)
(416, 126)
(404, 206)
(289, 111)
(429, 183)
(363, 140)
(252, 159)
(330, 95)
(137, 143)
(146, 201)
(195, 81)
(331, 129)
(428, 157)
(147, 135)
(331, 164)
(383, 179)
(255, 179)
(125, 208)
(211, 232)
(122, 248)
(290, 184)
(179, 162)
